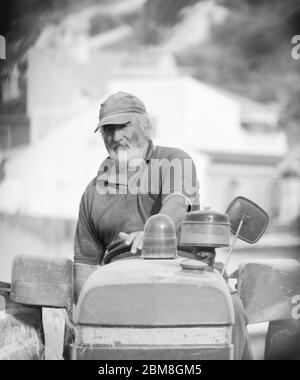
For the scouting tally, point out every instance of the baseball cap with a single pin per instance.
(118, 108)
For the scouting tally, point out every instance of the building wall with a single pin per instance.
(226, 181)
(289, 200)
(211, 119)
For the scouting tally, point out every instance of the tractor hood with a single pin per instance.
(165, 292)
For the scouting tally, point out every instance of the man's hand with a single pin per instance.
(135, 239)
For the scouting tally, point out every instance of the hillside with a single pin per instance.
(241, 45)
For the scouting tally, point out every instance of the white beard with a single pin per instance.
(130, 157)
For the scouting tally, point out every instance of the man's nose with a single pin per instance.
(118, 134)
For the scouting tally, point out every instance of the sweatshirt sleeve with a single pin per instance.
(88, 248)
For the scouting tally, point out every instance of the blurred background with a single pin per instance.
(218, 79)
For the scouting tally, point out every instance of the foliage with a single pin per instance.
(165, 12)
(250, 53)
(21, 22)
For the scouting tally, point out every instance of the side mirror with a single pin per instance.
(248, 220)
(42, 281)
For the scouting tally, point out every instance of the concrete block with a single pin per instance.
(44, 281)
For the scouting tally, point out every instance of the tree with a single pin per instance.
(21, 22)
(250, 53)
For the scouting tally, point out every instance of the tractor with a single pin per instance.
(168, 302)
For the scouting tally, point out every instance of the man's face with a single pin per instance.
(125, 142)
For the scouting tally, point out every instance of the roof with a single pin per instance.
(243, 158)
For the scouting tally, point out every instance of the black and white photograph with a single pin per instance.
(150, 182)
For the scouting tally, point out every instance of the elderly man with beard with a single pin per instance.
(137, 180)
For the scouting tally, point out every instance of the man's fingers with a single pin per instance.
(123, 235)
(137, 243)
(135, 239)
(128, 238)
(140, 241)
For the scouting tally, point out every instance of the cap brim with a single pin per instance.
(117, 119)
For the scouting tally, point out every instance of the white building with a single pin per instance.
(49, 176)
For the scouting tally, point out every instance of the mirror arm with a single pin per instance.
(233, 245)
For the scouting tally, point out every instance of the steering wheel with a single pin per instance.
(118, 248)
